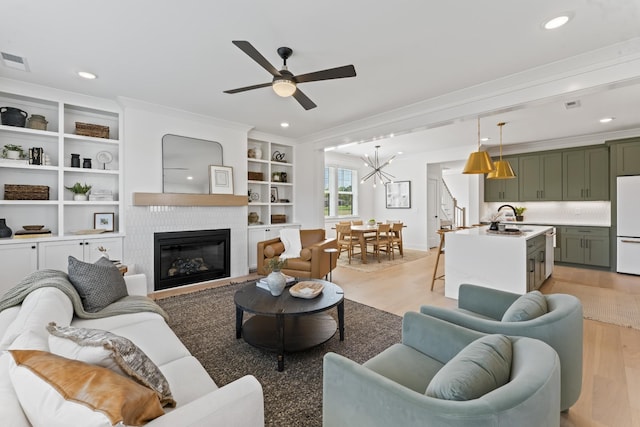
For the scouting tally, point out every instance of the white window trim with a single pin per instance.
(333, 195)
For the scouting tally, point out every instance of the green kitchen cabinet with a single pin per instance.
(585, 245)
(502, 190)
(585, 174)
(628, 158)
(536, 268)
(540, 177)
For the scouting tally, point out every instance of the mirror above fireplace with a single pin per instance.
(185, 163)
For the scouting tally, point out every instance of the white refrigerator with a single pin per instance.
(628, 236)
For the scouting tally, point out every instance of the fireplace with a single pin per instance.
(185, 257)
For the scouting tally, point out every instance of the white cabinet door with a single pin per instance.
(16, 261)
(112, 245)
(55, 254)
(255, 235)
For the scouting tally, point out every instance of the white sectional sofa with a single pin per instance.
(200, 402)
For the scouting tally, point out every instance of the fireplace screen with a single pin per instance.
(186, 257)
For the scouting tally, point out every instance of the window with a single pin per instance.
(340, 194)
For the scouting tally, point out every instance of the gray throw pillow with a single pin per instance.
(98, 284)
(103, 348)
(527, 307)
(482, 366)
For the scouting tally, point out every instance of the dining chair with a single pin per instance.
(345, 240)
(357, 222)
(396, 238)
(382, 241)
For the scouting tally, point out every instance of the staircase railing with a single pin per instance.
(451, 214)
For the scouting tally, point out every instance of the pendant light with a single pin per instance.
(478, 161)
(501, 168)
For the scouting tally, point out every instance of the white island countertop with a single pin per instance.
(497, 261)
(528, 231)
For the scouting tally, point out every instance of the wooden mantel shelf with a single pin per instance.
(183, 199)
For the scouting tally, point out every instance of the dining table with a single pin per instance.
(362, 232)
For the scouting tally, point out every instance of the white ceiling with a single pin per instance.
(406, 53)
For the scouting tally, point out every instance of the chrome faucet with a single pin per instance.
(509, 206)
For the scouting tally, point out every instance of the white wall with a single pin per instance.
(145, 125)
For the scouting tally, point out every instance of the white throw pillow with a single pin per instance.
(290, 238)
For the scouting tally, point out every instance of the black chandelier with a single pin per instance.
(377, 173)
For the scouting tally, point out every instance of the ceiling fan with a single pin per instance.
(284, 83)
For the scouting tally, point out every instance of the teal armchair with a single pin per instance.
(389, 389)
(481, 309)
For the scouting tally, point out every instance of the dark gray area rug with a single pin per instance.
(205, 322)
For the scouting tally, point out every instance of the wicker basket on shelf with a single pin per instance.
(88, 129)
(278, 219)
(26, 192)
(256, 176)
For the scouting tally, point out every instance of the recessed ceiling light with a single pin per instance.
(556, 22)
(399, 152)
(87, 75)
(607, 119)
(284, 124)
(189, 178)
(485, 139)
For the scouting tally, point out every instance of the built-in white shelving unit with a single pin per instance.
(60, 213)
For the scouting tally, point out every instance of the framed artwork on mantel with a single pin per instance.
(220, 179)
(398, 194)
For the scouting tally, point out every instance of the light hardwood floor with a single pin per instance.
(611, 381)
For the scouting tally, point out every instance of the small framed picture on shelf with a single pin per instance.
(220, 179)
(274, 195)
(103, 221)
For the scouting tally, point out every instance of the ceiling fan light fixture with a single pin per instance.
(478, 162)
(284, 87)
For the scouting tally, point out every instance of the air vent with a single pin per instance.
(571, 104)
(14, 61)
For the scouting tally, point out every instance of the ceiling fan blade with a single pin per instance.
(304, 100)
(331, 73)
(248, 48)
(242, 89)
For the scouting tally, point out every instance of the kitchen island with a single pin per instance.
(510, 261)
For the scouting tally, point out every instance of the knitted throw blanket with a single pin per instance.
(60, 280)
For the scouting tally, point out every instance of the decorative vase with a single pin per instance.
(4, 230)
(258, 152)
(86, 163)
(75, 160)
(276, 282)
(80, 197)
(494, 226)
(253, 217)
(37, 121)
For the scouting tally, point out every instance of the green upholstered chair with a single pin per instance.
(482, 309)
(389, 389)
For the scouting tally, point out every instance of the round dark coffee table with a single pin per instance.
(286, 323)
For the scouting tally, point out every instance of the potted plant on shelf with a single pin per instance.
(520, 213)
(276, 280)
(12, 151)
(79, 191)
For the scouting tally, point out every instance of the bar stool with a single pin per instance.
(441, 232)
